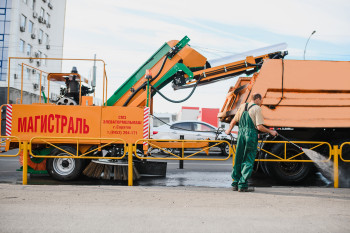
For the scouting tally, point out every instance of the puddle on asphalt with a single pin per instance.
(183, 178)
(203, 179)
(223, 180)
(178, 177)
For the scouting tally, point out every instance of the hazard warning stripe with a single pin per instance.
(145, 124)
(8, 120)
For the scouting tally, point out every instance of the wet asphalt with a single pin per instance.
(214, 174)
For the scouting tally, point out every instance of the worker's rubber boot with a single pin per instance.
(247, 189)
(234, 188)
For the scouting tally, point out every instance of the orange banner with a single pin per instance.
(30, 121)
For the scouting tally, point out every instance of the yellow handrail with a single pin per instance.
(132, 149)
(8, 138)
(77, 141)
(341, 152)
(41, 72)
(291, 159)
(182, 157)
(104, 88)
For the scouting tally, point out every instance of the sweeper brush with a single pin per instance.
(109, 170)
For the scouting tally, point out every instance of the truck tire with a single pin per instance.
(64, 169)
(287, 172)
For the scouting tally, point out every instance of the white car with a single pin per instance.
(191, 130)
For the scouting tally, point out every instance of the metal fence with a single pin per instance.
(334, 152)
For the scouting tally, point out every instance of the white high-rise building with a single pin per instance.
(30, 28)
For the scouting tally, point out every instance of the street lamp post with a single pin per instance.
(308, 42)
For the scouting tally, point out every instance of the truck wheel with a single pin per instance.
(287, 172)
(64, 168)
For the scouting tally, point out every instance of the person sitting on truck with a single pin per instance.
(251, 120)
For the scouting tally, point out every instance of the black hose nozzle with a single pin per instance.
(299, 147)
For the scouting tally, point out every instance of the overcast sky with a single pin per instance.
(126, 33)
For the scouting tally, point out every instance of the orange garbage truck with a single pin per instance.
(302, 100)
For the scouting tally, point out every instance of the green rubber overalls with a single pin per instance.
(247, 143)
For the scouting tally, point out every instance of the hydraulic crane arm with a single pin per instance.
(244, 63)
(180, 64)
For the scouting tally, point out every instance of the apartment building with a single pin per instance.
(32, 29)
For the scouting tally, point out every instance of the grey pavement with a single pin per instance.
(171, 204)
(42, 208)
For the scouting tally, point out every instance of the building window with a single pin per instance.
(19, 71)
(23, 21)
(29, 50)
(21, 46)
(26, 72)
(37, 77)
(42, 12)
(41, 33)
(47, 18)
(45, 61)
(39, 61)
(30, 27)
(32, 5)
(46, 39)
(44, 77)
(50, 4)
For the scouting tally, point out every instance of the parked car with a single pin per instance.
(191, 130)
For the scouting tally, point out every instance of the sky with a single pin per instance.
(126, 33)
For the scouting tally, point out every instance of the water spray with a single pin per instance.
(317, 158)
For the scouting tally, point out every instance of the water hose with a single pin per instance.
(299, 147)
(145, 83)
(265, 136)
(178, 101)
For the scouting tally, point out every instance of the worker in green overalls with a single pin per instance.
(250, 121)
